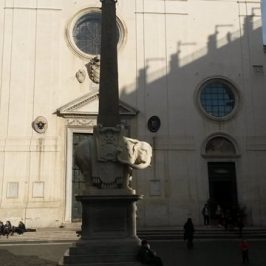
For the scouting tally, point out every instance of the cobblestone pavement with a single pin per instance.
(173, 253)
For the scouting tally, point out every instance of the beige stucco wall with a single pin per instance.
(169, 49)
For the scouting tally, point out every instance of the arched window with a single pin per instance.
(220, 146)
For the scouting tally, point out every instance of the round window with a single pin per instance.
(218, 98)
(84, 32)
(87, 33)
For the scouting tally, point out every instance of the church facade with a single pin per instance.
(192, 84)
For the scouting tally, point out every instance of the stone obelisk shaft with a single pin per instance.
(108, 93)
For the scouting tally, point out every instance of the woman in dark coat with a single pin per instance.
(189, 233)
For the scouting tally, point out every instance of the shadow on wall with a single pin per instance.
(235, 56)
(169, 92)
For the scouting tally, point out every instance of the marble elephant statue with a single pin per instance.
(99, 173)
(136, 154)
(131, 154)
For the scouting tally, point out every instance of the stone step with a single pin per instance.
(211, 233)
(106, 264)
(201, 232)
(114, 258)
(99, 251)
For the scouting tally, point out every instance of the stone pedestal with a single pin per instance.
(108, 234)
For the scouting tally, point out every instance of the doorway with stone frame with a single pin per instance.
(222, 186)
(74, 178)
(221, 151)
(77, 178)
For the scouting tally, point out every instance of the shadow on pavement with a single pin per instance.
(9, 259)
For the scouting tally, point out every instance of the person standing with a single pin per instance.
(244, 246)
(218, 215)
(1, 228)
(189, 233)
(206, 214)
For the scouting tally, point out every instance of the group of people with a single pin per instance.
(8, 229)
(189, 236)
(218, 214)
(228, 218)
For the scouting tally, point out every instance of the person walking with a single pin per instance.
(189, 233)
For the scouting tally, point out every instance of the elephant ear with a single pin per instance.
(126, 151)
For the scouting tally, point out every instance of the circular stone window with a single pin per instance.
(84, 32)
(218, 98)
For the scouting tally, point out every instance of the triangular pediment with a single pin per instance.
(87, 105)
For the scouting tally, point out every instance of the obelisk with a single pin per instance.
(108, 115)
(108, 235)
